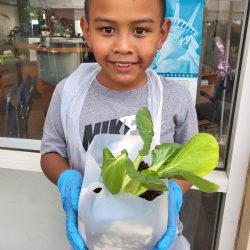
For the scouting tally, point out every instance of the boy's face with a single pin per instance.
(124, 35)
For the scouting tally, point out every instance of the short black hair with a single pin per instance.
(162, 4)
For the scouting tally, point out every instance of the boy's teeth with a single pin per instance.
(123, 64)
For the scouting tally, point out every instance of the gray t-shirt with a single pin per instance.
(111, 111)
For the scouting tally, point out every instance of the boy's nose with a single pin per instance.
(123, 45)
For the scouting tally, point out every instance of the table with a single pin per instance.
(207, 92)
(4, 68)
(43, 48)
(211, 76)
(56, 63)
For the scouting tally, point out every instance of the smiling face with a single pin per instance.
(124, 36)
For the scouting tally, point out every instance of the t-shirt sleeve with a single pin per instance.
(186, 121)
(53, 139)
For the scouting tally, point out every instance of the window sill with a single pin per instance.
(30, 161)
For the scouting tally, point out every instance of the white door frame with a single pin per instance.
(238, 159)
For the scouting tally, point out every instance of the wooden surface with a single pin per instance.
(209, 91)
(211, 76)
(42, 48)
(243, 238)
(4, 69)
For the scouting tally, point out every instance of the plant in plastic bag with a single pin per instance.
(121, 221)
(116, 217)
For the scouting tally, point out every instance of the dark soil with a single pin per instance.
(149, 194)
(97, 190)
(143, 166)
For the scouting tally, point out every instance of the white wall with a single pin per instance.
(31, 216)
(7, 24)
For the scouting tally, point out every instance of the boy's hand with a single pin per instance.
(69, 184)
(174, 206)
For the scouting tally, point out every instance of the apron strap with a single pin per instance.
(74, 84)
(74, 93)
(155, 103)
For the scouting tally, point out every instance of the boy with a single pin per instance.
(123, 36)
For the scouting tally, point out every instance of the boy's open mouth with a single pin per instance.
(123, 66)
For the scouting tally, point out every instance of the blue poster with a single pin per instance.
(180, 54)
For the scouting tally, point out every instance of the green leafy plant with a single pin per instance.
(191, 162)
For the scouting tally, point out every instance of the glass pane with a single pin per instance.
(199, 215)
(40, 44)
(222, 27)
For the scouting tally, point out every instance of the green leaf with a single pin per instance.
(145, 128)
(134, 187)
(199, 155)
(202, 184)
(150, 172)
(107, 157)
(113, 170)
(149, 180)
(163, 154)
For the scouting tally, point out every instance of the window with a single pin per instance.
(40, 44)
(222, 31)
(222, 28)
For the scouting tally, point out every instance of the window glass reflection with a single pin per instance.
(199, 215)
(40, 44)
(222, 28)
(220, 46)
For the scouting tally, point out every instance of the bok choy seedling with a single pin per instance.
(191, 162)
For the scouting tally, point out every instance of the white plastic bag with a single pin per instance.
(121, 221)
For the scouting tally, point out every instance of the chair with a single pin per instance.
(17, 109)
(217, 105)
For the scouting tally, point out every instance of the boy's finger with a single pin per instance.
(74, 198)
(76, 241)
(167, 239)
(73, 235)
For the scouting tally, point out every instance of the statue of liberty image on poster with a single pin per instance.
(180, 54)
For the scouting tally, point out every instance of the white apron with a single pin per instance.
(74, 93)
(73, 96)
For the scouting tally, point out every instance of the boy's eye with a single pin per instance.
(107, 30)
(140, 31)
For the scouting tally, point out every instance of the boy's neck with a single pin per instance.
(120, 86)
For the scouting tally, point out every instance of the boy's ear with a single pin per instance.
(165, 28)
(85, 30)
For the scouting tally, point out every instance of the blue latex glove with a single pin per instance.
(174, 206)
(69, 184)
